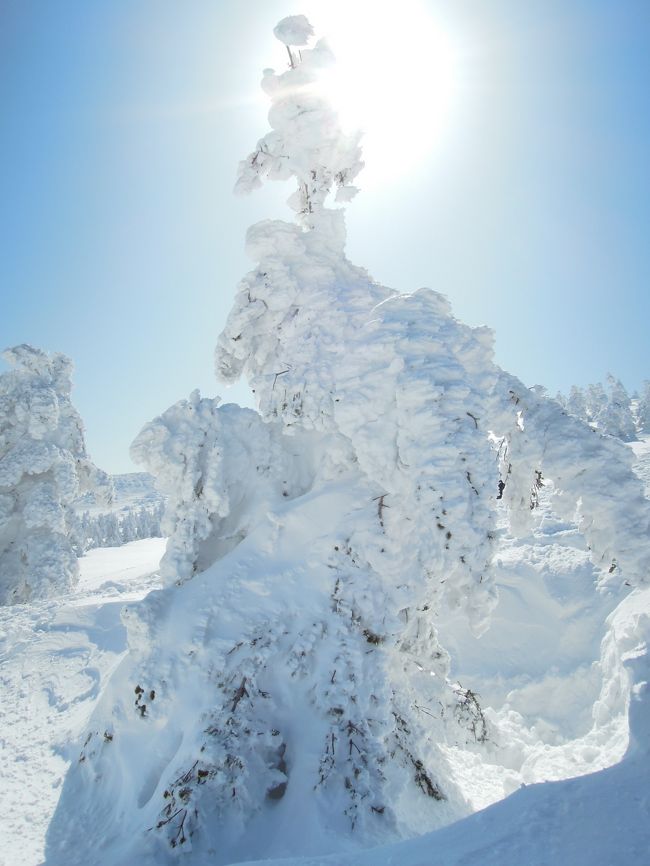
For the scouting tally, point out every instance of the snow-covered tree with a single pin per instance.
(577, 403)
(116, 528)
(609, 410)
(289, 681)
(43, 468)
(643, 408)
(615, 417)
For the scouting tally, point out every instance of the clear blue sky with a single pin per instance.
(121, 127)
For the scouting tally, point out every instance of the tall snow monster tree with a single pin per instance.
(286, 692)
(43, 468)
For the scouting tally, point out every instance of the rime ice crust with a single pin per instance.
(43, 468)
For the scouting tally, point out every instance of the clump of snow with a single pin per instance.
(294, 30)
(43, 468)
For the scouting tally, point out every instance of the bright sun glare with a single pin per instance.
(396, 78)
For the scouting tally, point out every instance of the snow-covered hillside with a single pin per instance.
(549, 674)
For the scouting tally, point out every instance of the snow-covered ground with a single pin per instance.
(55, 657)
(549, 674)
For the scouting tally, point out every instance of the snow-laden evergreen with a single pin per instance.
(291, 673)
(592, 478)
(643, 408)
(113, 529)
(607, 409)
(43, 468)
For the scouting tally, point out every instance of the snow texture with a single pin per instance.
(43, 468)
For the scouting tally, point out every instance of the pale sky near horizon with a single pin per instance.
(122, 124)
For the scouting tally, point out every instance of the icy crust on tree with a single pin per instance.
(592, 476)
(43, 468)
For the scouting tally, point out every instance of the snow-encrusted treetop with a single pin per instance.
(306, 140)
(294, 30)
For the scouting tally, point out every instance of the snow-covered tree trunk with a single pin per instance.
(43, 468)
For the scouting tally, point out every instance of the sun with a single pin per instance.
(396, 78)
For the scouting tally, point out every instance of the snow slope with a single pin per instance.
(55, 657)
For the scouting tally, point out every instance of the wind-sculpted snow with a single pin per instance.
(288, 692)
(43, 467)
